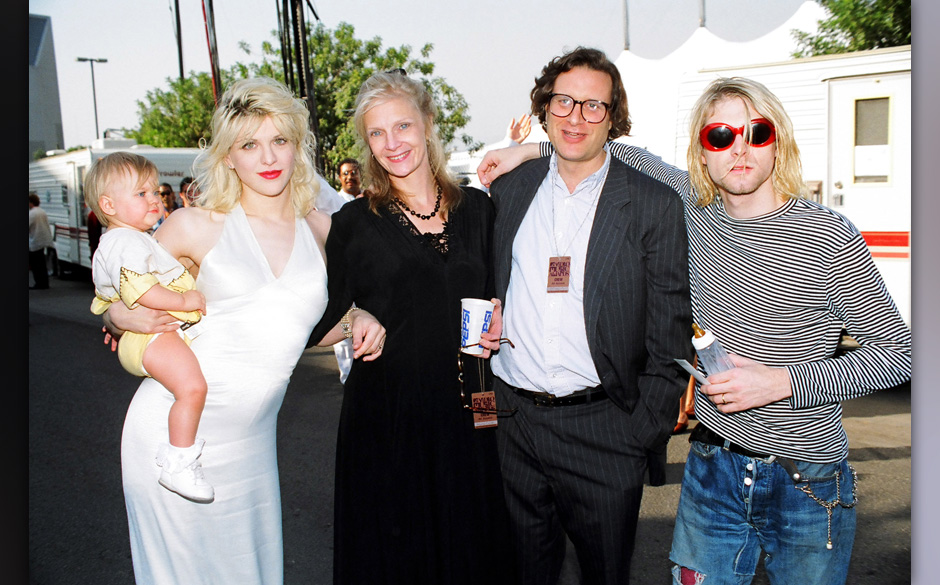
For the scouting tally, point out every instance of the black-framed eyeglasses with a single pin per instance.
(399, 71)
(481, 373)
(593, 111)
(164, 192)
(351, 173)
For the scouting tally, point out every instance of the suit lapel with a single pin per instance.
(611, 222)
(515, 195)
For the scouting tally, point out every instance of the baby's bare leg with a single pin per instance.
(170, 361)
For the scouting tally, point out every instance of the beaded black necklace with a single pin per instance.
(437, 205)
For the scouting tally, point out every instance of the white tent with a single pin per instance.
(653, 84)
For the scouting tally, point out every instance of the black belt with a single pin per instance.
(546, 399)
(703, 434)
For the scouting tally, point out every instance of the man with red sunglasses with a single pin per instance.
(775, 277)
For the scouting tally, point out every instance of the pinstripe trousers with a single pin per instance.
(572, 470)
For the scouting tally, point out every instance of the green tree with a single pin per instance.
(179, 115)
(340, 63)
(857, 25)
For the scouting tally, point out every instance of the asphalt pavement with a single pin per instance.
(78, 395)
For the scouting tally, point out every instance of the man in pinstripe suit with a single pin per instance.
(591, 265)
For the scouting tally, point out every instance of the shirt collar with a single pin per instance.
(589, 184)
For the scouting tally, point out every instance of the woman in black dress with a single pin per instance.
(418, 495)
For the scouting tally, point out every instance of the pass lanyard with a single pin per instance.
(559, 265)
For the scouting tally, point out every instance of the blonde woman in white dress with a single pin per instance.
(255, 244)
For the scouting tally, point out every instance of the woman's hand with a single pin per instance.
(118, 319)
(368, 335)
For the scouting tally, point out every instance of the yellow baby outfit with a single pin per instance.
(126, 265)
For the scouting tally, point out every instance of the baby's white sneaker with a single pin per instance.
(182, 472)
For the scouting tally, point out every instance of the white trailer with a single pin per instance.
(852, 119)
(58, 180)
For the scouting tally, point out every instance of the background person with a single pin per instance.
(189, 191)
(418, 496)
(167, 202)
(168, 198)
(40, 238)
(94, 232)
(350, 179)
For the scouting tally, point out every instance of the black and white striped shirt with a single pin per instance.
(778, 289)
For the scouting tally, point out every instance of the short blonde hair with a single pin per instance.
(384, 87)
(241, 111)
(787, 177)
(103, 171)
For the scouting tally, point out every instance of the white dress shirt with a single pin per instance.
(552, 353)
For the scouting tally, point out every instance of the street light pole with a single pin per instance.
(94, 96)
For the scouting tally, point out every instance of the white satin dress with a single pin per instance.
(255, 330)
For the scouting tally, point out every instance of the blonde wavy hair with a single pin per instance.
(384, 87)
(787, 176)
(241, 111)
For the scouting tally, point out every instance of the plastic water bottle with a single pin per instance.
(711, 354)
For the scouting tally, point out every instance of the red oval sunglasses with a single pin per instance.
(720, 136)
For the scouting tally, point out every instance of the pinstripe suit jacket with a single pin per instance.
(637, 309)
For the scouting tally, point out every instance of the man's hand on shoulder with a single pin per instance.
(498, 162)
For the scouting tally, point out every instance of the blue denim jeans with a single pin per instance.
(731, 507)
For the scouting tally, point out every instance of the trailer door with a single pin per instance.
(75, 174)
(870, 170)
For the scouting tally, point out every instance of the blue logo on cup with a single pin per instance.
(465, 325)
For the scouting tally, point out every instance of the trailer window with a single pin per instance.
(872, 152)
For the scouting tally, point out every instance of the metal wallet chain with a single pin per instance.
(829, 506)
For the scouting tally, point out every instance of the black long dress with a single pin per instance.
(418, 492)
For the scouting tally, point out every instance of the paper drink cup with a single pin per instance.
(475, 316)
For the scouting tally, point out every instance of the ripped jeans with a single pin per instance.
(731, 507)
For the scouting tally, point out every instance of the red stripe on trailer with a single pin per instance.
(888, 244)
(887, 238)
